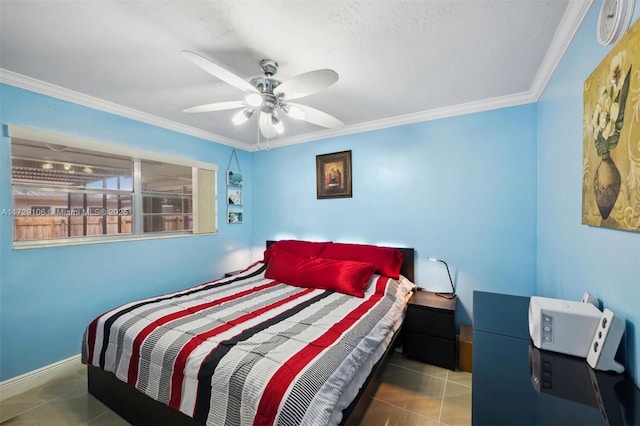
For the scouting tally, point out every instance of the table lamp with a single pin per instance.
(439, 273)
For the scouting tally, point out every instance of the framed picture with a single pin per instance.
(611, 135)
(234, 215)
(234, 178)
(234, 196)
(333, 175)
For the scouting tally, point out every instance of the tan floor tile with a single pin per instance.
(400, 360)
(460, 377)
(18, 404)
(409, 379)
(456, 405)
(72, 408)
(108, 419)
(419, 393)
(381, 413)
(454, 390)
(428, 407)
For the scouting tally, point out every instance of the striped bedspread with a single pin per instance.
(245, 350)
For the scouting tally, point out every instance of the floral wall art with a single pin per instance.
(611, 141)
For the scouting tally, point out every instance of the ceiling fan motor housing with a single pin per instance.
(265, 85)
(268, 67)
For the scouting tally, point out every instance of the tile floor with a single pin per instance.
(415, 394)
(411, 393)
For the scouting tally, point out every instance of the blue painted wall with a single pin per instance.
(573, 258)
(49, 295)
(461, 189)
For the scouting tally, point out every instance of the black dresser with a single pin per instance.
(515, 383)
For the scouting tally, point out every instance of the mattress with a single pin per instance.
(246, 350)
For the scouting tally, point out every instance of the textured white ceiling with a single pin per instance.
(398, 61)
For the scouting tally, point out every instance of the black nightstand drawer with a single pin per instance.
(427, 321)
(429, 349)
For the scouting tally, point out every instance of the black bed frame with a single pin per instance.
(140, 409)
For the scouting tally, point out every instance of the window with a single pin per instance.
(166, 197)
(66, 190)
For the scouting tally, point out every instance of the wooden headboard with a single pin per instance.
(408, 263)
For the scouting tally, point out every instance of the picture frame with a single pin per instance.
(234, 178)
(234, 196)
(234, 215)
(333, 175)
(611, 131)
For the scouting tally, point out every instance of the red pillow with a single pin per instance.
(387, 260)
(303, 248)
(344, 276)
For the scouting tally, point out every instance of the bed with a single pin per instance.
(253, 348)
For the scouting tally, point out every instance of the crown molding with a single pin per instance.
(571, 21)
(418, 117)
(48, 89)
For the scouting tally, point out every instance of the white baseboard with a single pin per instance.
(33, 379)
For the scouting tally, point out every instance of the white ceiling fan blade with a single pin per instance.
(219, 72)
(218, 106)
(307, 84)
(318, 117)
(266, 126)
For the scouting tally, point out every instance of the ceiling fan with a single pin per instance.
(270, 97)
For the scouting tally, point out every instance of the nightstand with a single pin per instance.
(430, 329)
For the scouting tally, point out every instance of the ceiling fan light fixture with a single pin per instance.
(254, 99)
(277, 124)
(242, 116)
